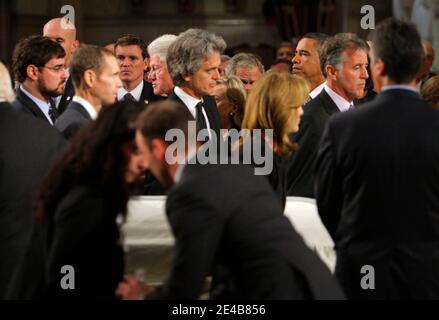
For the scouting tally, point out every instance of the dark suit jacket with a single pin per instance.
(25, 104)
(28, 147)
(85, 236)
(300, 173)
(66, 98)
(247, 234)
(152, 186)
(211, 111)
(73, 119)
(377, 192)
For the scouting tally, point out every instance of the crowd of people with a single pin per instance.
(343, 120)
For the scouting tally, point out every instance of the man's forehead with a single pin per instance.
(130, 49)
(357, 55)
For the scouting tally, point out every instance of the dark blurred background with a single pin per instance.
(246, 25)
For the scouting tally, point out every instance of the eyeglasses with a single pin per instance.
(57, 69)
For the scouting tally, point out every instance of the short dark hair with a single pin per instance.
(132, 40)
(318, 37)
(162, 116)
(36, 50)
(399, 46)
(87, 57)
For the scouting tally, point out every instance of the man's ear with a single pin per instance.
(89, 78)
(158, 148)
(32, 72)
(331, 72)
(187, 77)
(75, 45)
(380, 68)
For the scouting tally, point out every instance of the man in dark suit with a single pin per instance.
(63, 31)
(132, 55)
(344, 62)
(377, 181)
(194, 74)
(28, 147)
(306, 61)
(216, 231)
(95, 73)
(38, 65)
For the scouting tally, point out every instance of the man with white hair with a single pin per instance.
(159, 77)
(6, 92)
(247, 67)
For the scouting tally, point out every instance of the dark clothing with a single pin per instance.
(66, 98)
(28, 147)
(247, 234)
(85, 236)
(73, 119)
(378, 195)
(300, 169)
(25, 104)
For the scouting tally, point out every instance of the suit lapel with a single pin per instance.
(80, 109)
(30, 105)
(328, 103)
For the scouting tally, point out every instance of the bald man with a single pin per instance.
(63, 31)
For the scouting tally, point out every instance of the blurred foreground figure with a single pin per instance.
(377, 182)
(245, 242)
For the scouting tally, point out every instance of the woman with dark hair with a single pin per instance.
(84, 200)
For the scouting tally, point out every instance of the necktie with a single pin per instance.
(53, 113)
(201, 121)
(128, 97)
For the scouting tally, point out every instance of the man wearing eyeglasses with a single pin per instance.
(38, 65)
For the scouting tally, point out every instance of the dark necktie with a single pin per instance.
(201, 121)
(53, 113)
(129, 97)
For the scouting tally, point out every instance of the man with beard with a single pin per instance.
(38, 64)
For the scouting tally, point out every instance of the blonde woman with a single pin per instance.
(275, 102)
(230, 98)
(6, 92)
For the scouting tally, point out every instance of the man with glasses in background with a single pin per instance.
(38, 65)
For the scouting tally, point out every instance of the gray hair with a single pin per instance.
(160, 45)
(187, 52)
(6, 91)
(332, 51)
(244, 60)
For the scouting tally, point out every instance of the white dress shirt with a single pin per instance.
(190, 103)
(136, 92)
(341, 103)
(316, 91)
(87, 106)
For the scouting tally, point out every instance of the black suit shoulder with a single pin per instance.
(74, 118)
(316, 113)
(24, 104)
(28, 148)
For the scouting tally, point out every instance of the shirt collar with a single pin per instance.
(399, 87)
(136, 92)
(341, 103)
(316, 91)
(187, 99)
(42, 105)
(87, 106)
